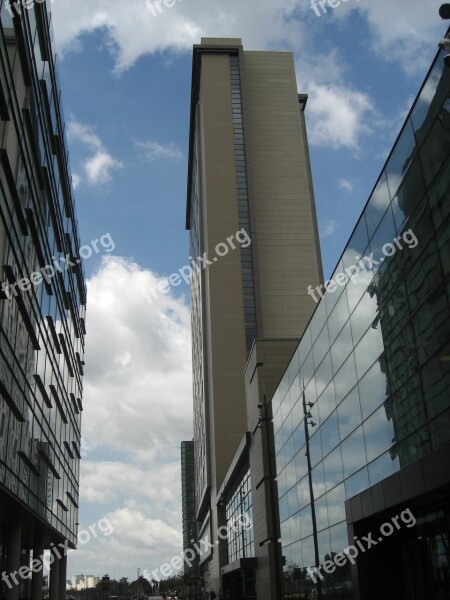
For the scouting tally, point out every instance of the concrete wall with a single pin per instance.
(285, 239)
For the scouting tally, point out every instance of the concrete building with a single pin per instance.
(42, 311)
(373, 371)
(250, 211)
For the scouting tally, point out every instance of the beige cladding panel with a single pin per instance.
(285, 232)
(227, 353)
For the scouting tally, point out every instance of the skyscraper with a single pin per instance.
(249, 179)
(42, 311)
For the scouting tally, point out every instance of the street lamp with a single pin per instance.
(444, 11)
(307, 420)
(267, 446)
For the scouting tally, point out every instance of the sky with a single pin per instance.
(125, 71)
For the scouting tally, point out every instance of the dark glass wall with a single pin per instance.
(41, 325)
(374, 361)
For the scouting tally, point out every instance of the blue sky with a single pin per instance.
(125, 78)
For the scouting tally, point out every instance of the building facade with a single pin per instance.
(371, 374)
(188, 499)
(42, 313)
(250, 212)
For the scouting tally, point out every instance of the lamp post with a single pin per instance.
(444, 44)
(444, 11)
(269, 450)
(307, 420)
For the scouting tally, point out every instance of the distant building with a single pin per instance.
(84, 582)
(42, 310)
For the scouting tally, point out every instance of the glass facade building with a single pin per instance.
(238, 511)
(42, 306)
(374, 368)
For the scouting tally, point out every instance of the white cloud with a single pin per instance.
(345, 184)
(328, 228)
(76, 180)
(153, 151)
(137, 409)
(401, 29)
(338, 116)
(100, 165)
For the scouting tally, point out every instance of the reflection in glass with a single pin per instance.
(332, 467)
(372, 390)
(357, 483)
(336, 504)
(342, 347)
(402, 155)
(345, 379)
(383, 467)
(349, 413)
(378, 203)
(353, 452)
(379, 434)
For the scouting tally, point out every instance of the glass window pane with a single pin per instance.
(326, 403)
(382, 244)
(378, 203)
(430, 101)
(357, 483)
(318, 320)
(402, 155)
(321, 346)
(349, 413)
(329, 434)
(372, 390)
(304, 496)
(321, 513)
(338, 317)
(436, 147)
(306, 521)
(379, 434)
(332, 467)
(364, 315)
(342, 347)
(368, 350)
(382, 467)
(408, 196)
(336, 504)
(345, 379)
(357, 245)
(439, 195)
(353, 452)
(323, 374)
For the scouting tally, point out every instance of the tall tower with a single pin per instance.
(249, 171)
